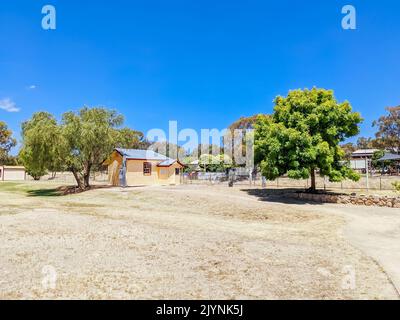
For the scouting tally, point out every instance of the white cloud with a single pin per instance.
(32, 87)
(8, 105)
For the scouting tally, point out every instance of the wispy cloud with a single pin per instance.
(8, 105)
(32, 87)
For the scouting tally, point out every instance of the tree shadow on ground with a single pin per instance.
(44, 193)
(62, 191)
(284, 196)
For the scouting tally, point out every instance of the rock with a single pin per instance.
(369, 203)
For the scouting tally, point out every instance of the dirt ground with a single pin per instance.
(191, 242)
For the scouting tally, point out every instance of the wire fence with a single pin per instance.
(68, 178)
(242, 178)
(375, 182)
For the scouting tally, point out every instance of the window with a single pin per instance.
(147, 168)
(177, 171)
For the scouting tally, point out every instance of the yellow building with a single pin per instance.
(129, 167)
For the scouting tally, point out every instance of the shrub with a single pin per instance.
(396, 185)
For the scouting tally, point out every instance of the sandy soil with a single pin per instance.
(186, 242)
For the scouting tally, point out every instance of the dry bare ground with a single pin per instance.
(186, 242)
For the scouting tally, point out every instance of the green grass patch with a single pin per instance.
(14, 187)
(30, 189)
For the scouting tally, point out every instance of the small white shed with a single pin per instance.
(12, 173)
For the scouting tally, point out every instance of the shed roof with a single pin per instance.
(13, 167)
(147, 155)
(390, 156)
(170, 162)
(167, 163)
(364, 152)
(141, 154)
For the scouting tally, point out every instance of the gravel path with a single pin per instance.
(377, 232)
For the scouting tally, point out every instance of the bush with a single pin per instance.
(396, 185)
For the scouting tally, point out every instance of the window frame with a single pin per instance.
(147, 168)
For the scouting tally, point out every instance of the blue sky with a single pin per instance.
(202, 63)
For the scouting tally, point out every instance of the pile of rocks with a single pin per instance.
(362, 200)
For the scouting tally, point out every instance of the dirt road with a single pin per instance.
(180, 243)
(377, 232)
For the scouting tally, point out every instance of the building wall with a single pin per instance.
(114, 164)
(357, 164)
(168, 176)
(135, 176)
(12, 174)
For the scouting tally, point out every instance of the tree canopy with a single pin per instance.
(168, 149)
(87, 138)
(215, 163)
(389, 130)
(40, 144)
(244, 123)
(79, 143)
(6, 142)
(240, 136)
(131, 139)
(303, 136)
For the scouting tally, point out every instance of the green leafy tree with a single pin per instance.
(10, 160)
(79, 143)
(6, 142)
(239, 133)
(303, 136)
(206, 148)
(348, 149)
(367, 143)
(130, 139)
(378, 164)
(217, 163)
(244, 123)
(168, 149)
(40, 144)
(388, 133)
(87, 138)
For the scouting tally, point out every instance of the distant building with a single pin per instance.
(12, 173)
(195, 166)
(361, 157)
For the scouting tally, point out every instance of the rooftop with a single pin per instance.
(142, 154)
(390, 156)
(364, 152)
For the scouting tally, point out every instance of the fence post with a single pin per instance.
(367, 172)
(263, 182)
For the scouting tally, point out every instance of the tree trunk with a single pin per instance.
(78, 179)
(86, 176)
(313, 183)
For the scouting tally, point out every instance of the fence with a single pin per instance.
(375, 182)
(68, 178)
